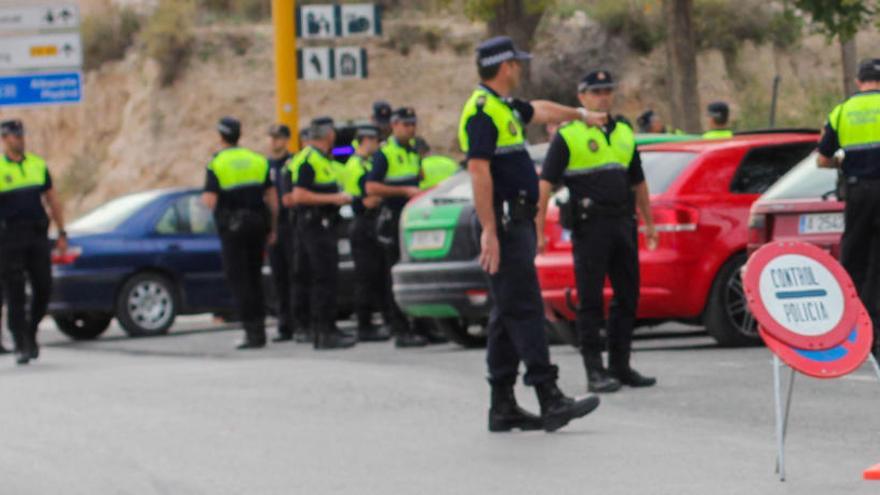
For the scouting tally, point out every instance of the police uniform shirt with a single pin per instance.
(23, 204)
(513, 173)
(606, 187)
(359, 188)
(380, 171)
(276, 169)
(248, 197)
(859, 161)
(306, 176)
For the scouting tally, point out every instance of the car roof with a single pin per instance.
(738, 141)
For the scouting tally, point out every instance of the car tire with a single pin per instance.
(146, 305)
(80, 327)
(728, 319)
(457, 330)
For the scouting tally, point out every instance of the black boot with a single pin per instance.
(332, 338)
(598, 379)
(633, 378)
(255, 336)
(373, 333)
(22, 348)
(557, 409)
(284, 334)
(409, 339)
(505, 414)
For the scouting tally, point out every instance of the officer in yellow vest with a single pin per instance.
(368, 254)
(317, 198)
(239, 189)
(25, 184)
(603, 172)
(854, 127)
(718, 114)
(395, 178)
(505, 183)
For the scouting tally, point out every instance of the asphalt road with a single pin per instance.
(185, 414)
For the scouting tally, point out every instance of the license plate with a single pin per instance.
(424, 240)
(821, 223)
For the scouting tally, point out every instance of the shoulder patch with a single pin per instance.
(481, 101)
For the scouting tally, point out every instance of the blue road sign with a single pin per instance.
(41, 89)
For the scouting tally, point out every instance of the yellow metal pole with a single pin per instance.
(287, 110)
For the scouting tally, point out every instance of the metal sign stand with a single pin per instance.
(782, 411)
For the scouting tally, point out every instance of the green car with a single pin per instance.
(439, 277)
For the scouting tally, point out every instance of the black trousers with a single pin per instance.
(320, 254)
(370, 270)
(291, 280)
(516, 322)
(399, 322)
(860, 246)
(243, 264)
(25, 257)
(607, 246)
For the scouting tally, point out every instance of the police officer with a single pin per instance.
(281, 255)
(651, 122)
(718, 115)
(25, 184)
(238, 187)
(505, 196)
(395, 178)
(300, 276)
(854, 127)
(602, 170)
(316, 196)
(369, 262)
(382, 118)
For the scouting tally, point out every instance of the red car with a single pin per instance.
(701, 195)
(802, 206)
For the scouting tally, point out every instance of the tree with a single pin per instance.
(681, 55)
(515, 18)
(840, 19)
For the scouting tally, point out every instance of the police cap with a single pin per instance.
(381, 112)
(279, 131)
(869, 70)
(497, 50)
(11, 127)
(407, 115)
(321, 126)
(718, 110)
(229, 127)
(597, 79)
(367, 131)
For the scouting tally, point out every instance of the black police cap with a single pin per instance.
(279, 131)
(597, 79)
(12, 127)
(645, 118)
(382, 112)
(367, 131)
(322, 122)
(497, 50)
(869, 70)
(718, 110)
(229, 127)
(404, 114)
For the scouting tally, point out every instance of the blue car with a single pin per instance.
(144, 259)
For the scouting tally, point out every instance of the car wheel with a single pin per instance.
(462, 333)
(728, 319)
(146, 305)
(80, 327)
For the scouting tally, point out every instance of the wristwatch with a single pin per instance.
(62, 233)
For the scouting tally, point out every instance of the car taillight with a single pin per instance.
(674, 217)
(69, 256)
(758, 231)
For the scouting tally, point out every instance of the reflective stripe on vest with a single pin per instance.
(29, 174)
(510, 138)
(718, 134)
(590, 150)
(239, 167)
(857, 122)
(325, 171)
(355, 168)
(403, 163)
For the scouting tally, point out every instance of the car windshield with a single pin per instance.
(108, 216)
(662, 167)
(806, 180)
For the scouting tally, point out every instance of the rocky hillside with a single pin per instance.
(133, 134)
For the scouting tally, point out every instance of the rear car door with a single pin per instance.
(189, 247)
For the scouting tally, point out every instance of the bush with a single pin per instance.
(107, 37)
(168, 37)
(640, 23)
(252, 10)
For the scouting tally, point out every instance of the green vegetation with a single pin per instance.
(107, 37)
(237, 10)
(168, 37)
